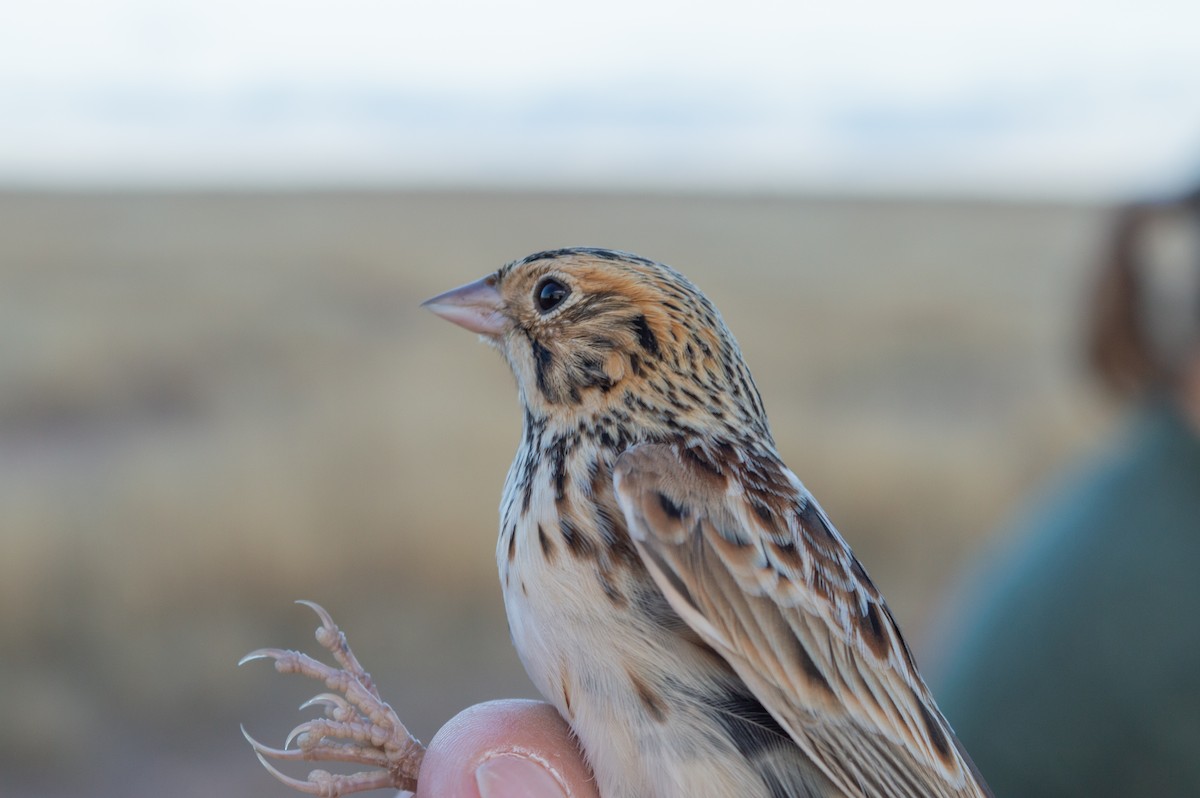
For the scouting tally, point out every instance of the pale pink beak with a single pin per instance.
(476, 306)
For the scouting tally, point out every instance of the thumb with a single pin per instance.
(505, 749)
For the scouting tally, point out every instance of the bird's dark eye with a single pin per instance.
(549, 294)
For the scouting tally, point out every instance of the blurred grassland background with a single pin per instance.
(212, 404)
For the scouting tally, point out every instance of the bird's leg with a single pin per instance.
(358, 727)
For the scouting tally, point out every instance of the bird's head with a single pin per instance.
(594, 332)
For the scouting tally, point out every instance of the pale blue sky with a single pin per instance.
(1032, 98)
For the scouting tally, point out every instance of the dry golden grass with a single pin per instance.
(214, 404)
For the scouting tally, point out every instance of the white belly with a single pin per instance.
(584, 654)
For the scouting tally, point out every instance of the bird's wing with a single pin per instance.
(749, 560)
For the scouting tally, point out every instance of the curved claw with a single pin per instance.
(328, 635)
(260, 653)
(274, 753)
(324, 784)
(326, 618)
(311, 786)
(294, 733)
(336, 707)
(282, 656)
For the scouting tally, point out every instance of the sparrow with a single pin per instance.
(672, 588)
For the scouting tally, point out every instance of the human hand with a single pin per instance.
(505, 749)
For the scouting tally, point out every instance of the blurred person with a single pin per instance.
(1078, 674)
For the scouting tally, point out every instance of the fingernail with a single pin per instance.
(515, 776)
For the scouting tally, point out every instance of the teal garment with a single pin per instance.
(1080, 672)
